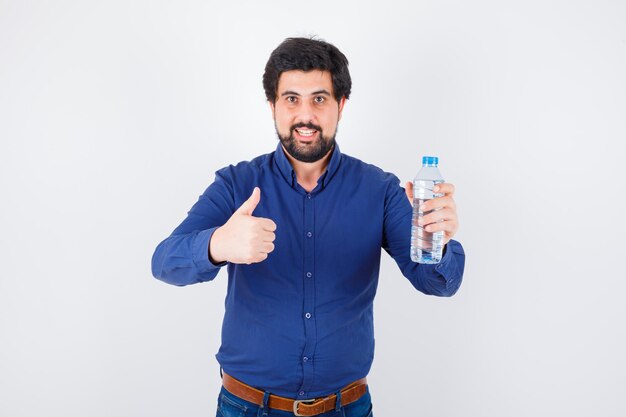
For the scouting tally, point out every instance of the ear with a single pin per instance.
(341, 103)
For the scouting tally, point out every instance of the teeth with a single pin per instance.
(306, 132)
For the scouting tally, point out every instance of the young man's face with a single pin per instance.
(306, 113)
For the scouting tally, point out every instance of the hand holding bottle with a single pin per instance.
(445, 218)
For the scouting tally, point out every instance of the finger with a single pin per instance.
(444, 188)
(448, 226)
(435, 216)
(436, 203)
(250, 204)
(268, 236)
(262, 256)
(409, 191)
(267, 247)
(267, 224)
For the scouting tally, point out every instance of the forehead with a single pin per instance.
(305, 82)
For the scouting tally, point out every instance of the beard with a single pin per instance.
(311, 152)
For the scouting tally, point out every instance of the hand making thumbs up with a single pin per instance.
(244, 239)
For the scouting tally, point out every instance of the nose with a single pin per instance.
(306, 113)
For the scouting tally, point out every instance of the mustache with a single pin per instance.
(306, 125)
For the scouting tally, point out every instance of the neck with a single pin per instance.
(308, 173)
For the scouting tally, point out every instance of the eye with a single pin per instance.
(291, 99)
(320, 99)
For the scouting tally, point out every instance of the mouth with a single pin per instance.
(305, 135)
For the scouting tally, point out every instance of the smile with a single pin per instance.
(306, 132)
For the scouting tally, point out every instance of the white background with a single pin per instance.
(115, 115)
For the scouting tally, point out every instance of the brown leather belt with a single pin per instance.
(311, 407)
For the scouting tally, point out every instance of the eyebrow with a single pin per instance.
(293, 93)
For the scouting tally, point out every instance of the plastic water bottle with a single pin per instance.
(426, 247)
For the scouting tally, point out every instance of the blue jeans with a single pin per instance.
(229, 405)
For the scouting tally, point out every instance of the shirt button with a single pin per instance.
(308, 196)
(309, 234)
(309, 275)
(305, 359)
(301, 393)
(307, 315)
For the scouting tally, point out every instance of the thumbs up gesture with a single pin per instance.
(244, 239)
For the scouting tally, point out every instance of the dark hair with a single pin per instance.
(307, 54)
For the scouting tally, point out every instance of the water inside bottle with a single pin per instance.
(426, 247)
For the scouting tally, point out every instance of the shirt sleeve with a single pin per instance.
(183, 257)
(442, 279)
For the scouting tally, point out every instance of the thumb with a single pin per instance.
(250, 204)
(409, 191)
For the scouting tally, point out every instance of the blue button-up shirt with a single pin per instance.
(300, 324)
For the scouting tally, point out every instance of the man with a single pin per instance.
(300, 231)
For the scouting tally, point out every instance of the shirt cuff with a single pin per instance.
(201, 251)
(449, 265)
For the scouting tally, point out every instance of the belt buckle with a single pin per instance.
(295, 405)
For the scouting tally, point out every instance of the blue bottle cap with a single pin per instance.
(430, 160)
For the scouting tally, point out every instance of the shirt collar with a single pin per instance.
(285, 168)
